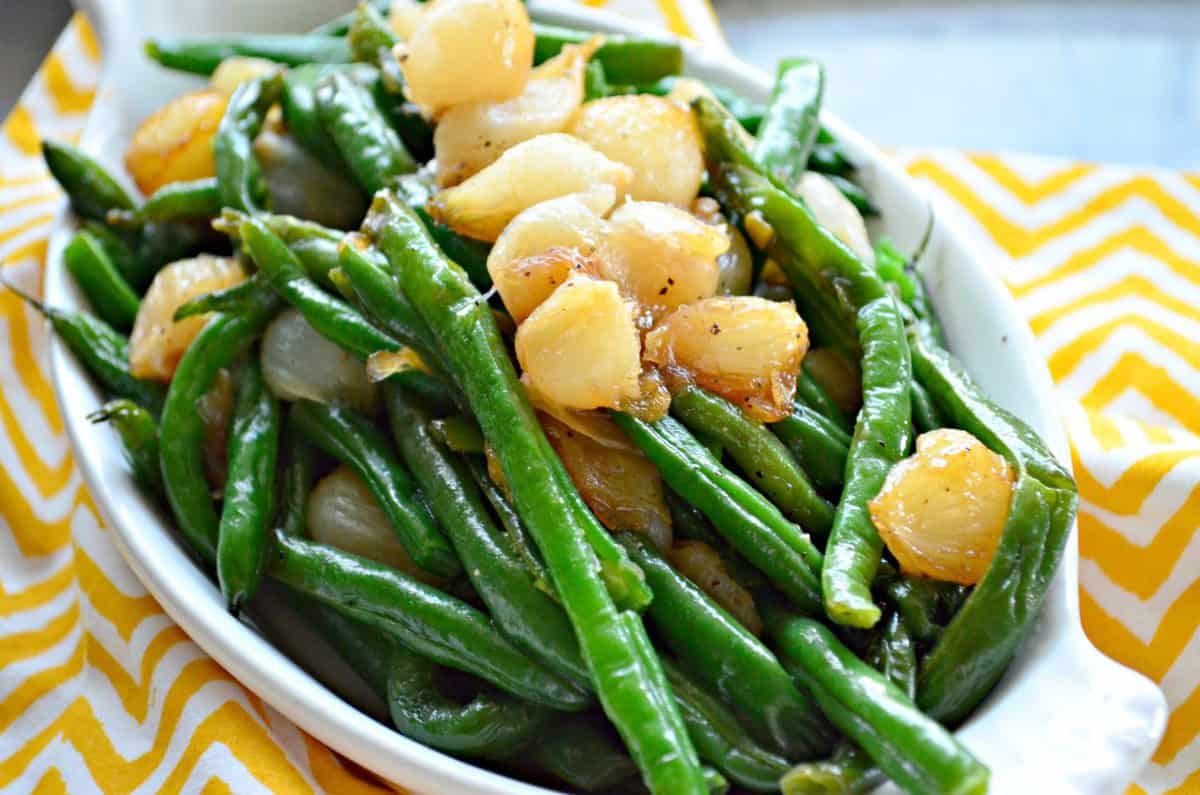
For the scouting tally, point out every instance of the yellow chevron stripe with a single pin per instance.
(87, 37)
(51, 783)
(1182, 728)
(1112, 551)
(1154, 659)
(33, 536)
(66, 96)
(1031, 192)
(36, 385)
(1136, 238)
(124, 612)
(1019, 241)
(28, 201)
(21, 131)
(333, 776)
(1126, 495)
(36, 686)
(26, 181)
(233, 728)
(676, 20)
(136, 694)
(1152, 382)
(38, 594)
(25, 226)
(1129, 287)
(23, 645)
(230, 725)
(1105, 431)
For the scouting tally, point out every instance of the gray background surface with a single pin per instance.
(1113, 81)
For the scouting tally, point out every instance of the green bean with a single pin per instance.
(810, 256)
(818, 445)
(881, 438)
(584, 755)
(315, 246)
(299, 104)
(952, 597)
(299, 472)
(375, 289)
(849, 771)
(232, 300)
(203, 54)
(828, 158)
(854, 194)
(249, 501)
(916, 603)
(222, 340)
(628, 678)
(793, 118)
(361, 645)
(118, 246)
(816, 263)
(371, 149)
(352, 439)
(722, 654)
(846, 287)
(518, 534)
(161, 243)
(331, 317)
(529, 618)
(393, 232)
(810, 392)
(979, 642)
(714, 781)
(175, 201)
(139, 440)
(911, 748)
(720, 739)
(595, 82)
(626, 59)
(926, 416)
(369, 33)
(893, 655)
(899, 272)
(91, 189)
(749, 114)
(762, 457)
(459, 434)
(340, 25)
(374, 293)
(138, 254)
(415, 131)
(688, 523)
(371, 39)
(491, 725)
(743, 517)
(240, 182)
(103, 350)
(431, 623)
(470, 255)
(107, 291)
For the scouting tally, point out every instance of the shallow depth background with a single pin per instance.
(1111, 81)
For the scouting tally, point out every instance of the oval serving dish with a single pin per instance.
(1064, 719)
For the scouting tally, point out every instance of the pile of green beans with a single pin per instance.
(524, 633)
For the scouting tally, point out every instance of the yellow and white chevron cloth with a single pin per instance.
(101, 692)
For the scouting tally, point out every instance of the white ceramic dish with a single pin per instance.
(1065, 719)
